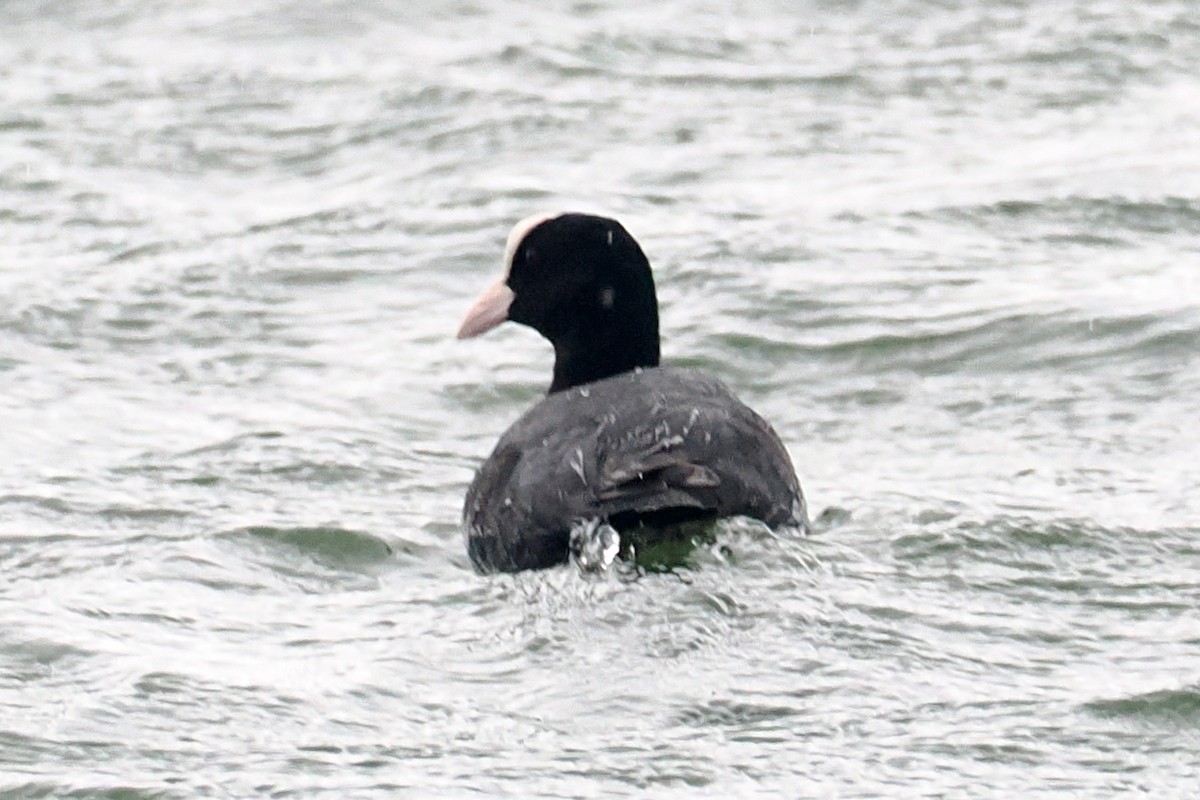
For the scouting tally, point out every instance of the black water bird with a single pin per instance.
(618, 439)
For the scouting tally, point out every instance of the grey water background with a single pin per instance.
(951, 249)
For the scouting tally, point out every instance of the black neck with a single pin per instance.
(604, 352)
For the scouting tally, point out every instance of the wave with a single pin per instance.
(1086, 220)
(1164, 705)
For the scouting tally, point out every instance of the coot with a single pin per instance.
(618, 439)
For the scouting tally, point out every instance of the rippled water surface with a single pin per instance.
(951, 249)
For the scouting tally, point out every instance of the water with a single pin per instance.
(950, 249)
